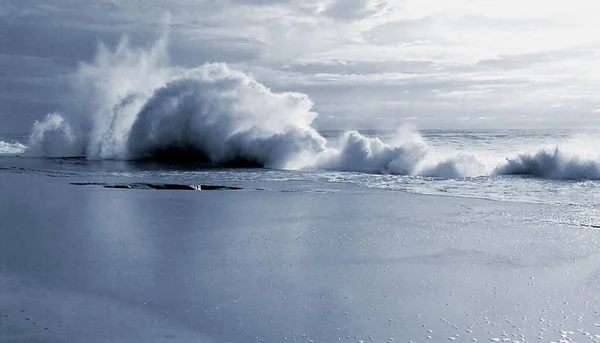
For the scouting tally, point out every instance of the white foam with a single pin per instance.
(552, 163)
(14, 148)
(52, 137)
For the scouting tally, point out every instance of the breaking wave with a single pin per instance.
(552, 164)
(130, 104)
(8, 148)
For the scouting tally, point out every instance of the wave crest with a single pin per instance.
(222, 116)
(363, 154)
(52, 137)
(554, 164)
(8, 148)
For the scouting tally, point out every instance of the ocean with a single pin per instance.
(146, 251)
(538, 166)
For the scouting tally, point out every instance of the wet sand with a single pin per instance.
(94, 264)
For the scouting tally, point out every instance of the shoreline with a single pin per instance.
(111, 169)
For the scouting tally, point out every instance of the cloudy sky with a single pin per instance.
(365, 63)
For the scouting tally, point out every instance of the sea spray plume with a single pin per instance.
(130, 104)
(210, 112)
(459, 166)
(219, 115)
(553, 164)
(105, 97)
(112, 90)
(52, 137)
(406, 154)
(359, 153)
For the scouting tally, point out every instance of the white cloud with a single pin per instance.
(351, 56)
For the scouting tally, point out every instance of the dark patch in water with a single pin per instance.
(159, 186)
(190, 156)
(178, 155)
(87, 184)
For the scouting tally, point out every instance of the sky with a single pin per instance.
(366, 64)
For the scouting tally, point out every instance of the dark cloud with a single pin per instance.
(353, 9)
(401, 31)
(40, 40)
(261, 2)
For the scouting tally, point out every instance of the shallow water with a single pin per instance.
(283, 260)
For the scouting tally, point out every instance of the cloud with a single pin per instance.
(353, 57)
(355, 9)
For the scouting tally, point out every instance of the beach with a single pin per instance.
(317, 264)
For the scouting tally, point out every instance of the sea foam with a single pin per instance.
(11, 148)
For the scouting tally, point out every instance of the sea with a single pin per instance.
(132, 116)
(534, 166)
(156, 250)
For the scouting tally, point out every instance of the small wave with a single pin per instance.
(8, 148)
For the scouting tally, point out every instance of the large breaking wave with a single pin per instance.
(130, 104)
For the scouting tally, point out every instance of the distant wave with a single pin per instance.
(8, 148)
(131, 105)
(553, 164)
